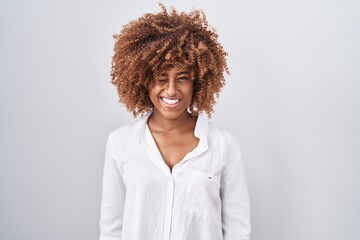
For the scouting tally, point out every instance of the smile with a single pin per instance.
(170, 102)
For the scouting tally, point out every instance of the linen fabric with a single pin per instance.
(204, 197)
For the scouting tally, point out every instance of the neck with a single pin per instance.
(159, 123)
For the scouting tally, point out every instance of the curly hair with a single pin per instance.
(155, 42)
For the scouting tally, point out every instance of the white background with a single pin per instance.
(292, 99)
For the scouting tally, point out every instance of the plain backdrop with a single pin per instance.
(292, 99)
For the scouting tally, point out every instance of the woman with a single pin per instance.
(172, 174)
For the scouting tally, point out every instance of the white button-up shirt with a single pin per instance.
(204, 197)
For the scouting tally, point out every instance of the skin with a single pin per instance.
(171, 125)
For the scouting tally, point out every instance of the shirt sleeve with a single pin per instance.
(113, 197)
(236, 224)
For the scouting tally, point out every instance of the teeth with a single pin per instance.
(170, 101)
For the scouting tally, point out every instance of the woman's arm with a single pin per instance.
(113, 197)
(236, 223)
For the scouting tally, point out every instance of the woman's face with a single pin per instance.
(172, 92)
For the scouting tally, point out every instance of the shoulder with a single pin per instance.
(227, 144)
(126, 132)
(222, 136)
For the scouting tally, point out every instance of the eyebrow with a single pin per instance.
(183, 73)
(180, 73)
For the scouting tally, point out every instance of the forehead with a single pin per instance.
(175, 70)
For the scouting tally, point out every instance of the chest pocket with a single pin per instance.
(202, 194)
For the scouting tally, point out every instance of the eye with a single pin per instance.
(162, 81)
(183, 78)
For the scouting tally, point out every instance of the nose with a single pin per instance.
(171, 88)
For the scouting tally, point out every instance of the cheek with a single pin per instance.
(152, 98)
(153, 93)
(189, 92)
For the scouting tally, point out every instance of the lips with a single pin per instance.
(170, 102)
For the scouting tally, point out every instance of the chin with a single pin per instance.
(172, 115)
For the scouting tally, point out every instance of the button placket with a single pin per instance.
(168, 210)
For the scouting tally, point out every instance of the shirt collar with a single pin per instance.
(201, 128)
